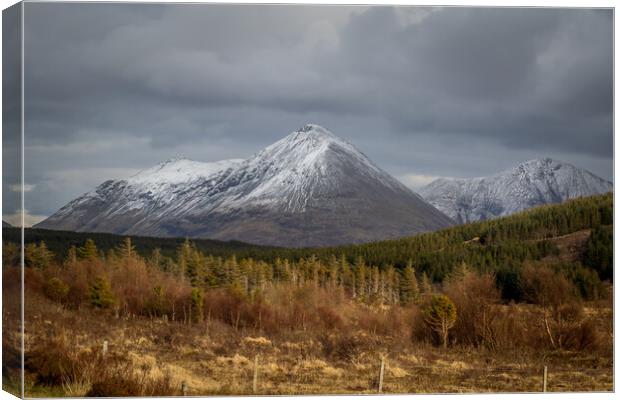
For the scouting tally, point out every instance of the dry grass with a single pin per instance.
(304, 345)
(157, 357)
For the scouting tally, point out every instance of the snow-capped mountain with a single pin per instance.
(533, 183)
(310, 188)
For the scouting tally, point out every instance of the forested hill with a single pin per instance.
(488, 243)
(500, 245)
(59, 243)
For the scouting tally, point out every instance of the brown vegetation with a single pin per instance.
(198, 323)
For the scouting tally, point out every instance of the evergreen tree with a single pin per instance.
(440, 315)
(156, 258)
(88, 251)
(57, 290)
(126, 250)
(409, 289)
(100, 293)
(72, 256)
(38, 255)
(360, 278)
(183, 254)
(194, 267)
(197, 304)
(427, 287)
(599, 252)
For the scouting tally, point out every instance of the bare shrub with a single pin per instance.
(585, 336)
(330, 318)
(125, 382)
(556, 296)
(58, 361)
(475, 297)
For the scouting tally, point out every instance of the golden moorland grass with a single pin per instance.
(158, 357)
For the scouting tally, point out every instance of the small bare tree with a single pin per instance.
(555, 296)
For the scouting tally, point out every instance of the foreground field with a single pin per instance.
(158, 357)
(476, 308)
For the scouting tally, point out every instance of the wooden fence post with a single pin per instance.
(255, 377)
(544, 385)
(184, 388)
(382, 369)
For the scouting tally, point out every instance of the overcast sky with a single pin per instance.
(460, 92)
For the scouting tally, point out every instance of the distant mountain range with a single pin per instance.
(533, 183)
(310, 188)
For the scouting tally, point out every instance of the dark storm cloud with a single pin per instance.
(111, 88)
(531, 78)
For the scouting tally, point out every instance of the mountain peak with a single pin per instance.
(173, 160)
(310, 188)
(541, 162)
(314, 128)
(307, 145)
(313, 132)
(531, 183)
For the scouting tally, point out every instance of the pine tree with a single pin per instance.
(72, 256)
(332, 271)
(347, 277)
(427, 287)
(88, 251)
(197, 304)
(459, 273)
(409, 289)
(126, 250)
(210, 272)
(10, 253)
(38, 255)
(360, 278)
(100, 293)
(183, 254)
(156, 258)
(57, 290)
(194, 267)
(440, 315)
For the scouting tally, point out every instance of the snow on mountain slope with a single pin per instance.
(310, 188)
(533, 183)
(148, 190)
(296, 168)
(179, 170)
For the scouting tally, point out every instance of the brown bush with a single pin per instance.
(513, 328)
(225, 305)
(586, 336)
(348, 347)
(57, 361)
(125, 383)
(475, 297)
(543, 286)
(420, 331)
(330, 318)
(117, 386)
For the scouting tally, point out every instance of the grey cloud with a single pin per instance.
(11, 116)
(219, 81)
